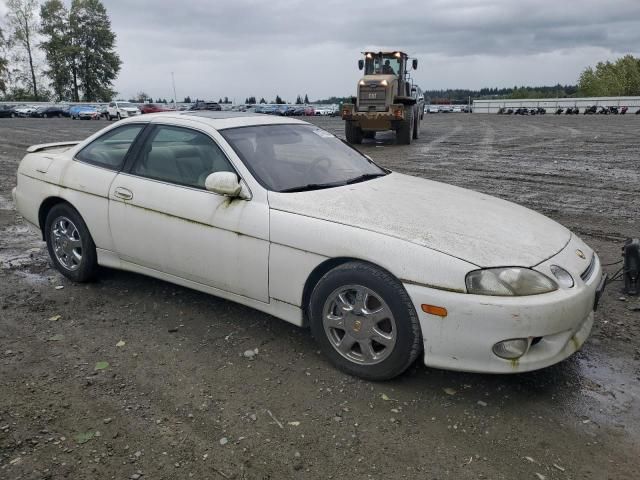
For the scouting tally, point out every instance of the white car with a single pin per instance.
(121, 110)
(456, 109)
(433, 109)
(280, 215)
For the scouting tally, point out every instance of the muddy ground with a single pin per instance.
(179, 400)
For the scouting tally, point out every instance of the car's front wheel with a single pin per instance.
(364, 321)
(70, 245)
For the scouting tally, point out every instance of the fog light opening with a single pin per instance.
(511, 349)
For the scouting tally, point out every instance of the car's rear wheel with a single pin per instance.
(70, 244)
(364, 321)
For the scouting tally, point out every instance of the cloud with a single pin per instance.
(288, 47)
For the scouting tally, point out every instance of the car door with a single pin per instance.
(162, 218)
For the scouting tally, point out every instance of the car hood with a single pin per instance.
(472, 226)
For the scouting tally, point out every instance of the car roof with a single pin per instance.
(222, 120)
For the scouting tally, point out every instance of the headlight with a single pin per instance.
(384, 83)
(507, 282)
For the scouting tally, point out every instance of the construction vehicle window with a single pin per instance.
(382, 65)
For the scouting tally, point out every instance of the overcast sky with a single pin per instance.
(239, 48)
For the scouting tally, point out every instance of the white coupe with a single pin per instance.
(282, 216)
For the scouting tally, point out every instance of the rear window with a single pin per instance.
(110, 149)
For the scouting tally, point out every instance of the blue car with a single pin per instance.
(84, 112)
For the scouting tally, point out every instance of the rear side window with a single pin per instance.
(109, 150)
(181, 156)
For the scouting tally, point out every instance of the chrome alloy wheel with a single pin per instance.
(67, 244)
(359, 324)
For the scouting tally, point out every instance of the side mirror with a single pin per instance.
(223, 183)
(360, 64)
(414, 64)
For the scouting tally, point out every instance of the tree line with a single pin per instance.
(52, 51)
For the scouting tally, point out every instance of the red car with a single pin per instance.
(153, 108)
(309, 111)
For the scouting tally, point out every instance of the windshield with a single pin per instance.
(298, 157)
(387, 64)
(126, 105)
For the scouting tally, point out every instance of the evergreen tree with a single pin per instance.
(262, 100)
(306, 99)
(298, 100)
(57, 47)
(187, 100)
(279, 101)
(97, 64)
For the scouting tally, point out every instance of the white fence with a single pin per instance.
(551, 104)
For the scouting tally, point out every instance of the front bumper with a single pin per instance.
(556, 323)
(125, 114)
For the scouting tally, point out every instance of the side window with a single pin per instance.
(110, 149)
(112, 104)
(180, 155)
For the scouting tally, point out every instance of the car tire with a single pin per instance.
(416, 128)
(118, 116)
(353, 133)
(369, 135)
(381, 338)
(44, 115)
(70, 245)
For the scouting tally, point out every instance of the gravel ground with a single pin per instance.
(179, 399)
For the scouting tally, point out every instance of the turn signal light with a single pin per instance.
(434, 310)
(398, 113)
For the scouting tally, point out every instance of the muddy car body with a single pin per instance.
(474, 282)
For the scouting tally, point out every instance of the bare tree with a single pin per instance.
(23, 22)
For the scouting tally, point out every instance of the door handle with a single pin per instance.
(123, 193)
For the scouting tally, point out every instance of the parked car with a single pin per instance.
(277, 214)
(24, 110)
(309, 111)
(7, 111)
(456, 109)
(153, 108)
(51, 111)
(84, 112)
(213, 106)
(119, 110)
(433, 109)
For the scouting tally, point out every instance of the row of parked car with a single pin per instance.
(121, 109)
(592, 110)
(447, 109)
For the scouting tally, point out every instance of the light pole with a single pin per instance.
(175, 99)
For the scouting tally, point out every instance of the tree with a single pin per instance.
(611, 79)
(262, 100)
(57, 46)
(279, 101)
(4, 71)
(306, 99)
(23, 23)
(298, 100)
(250, 100)
(96, 64)
(187, 100)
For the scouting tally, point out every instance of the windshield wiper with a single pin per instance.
(366, 176)
(312, 186)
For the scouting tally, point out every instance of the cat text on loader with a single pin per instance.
(387, 99)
